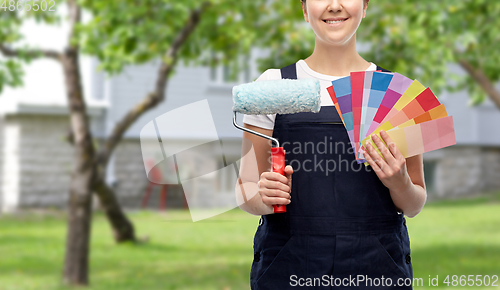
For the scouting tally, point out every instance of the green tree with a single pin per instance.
(423, 39)
(420, 39)
(129, 32)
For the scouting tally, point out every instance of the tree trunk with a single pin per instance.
(83, 175)
(482, 80)
(123, 229)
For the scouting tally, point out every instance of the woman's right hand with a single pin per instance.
(275, 188)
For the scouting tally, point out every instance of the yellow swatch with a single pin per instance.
(415, 89)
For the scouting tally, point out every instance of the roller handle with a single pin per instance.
(278, 159)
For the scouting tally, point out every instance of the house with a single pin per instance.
(36, 160)
(473, 165)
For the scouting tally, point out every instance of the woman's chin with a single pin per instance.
(337, 41)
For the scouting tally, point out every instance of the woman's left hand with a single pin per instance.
(391, 171)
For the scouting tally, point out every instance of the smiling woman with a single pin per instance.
(344, 221)
(342, 19)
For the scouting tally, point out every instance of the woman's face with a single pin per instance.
(334, 21)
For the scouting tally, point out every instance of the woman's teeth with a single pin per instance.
(333, 22)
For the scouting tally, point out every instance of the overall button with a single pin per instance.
(256, 256)
(261, 221)
(408, 259)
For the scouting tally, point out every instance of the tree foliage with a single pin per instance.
(130, 32)
(421, 39)
(11, 69)
(138, 31)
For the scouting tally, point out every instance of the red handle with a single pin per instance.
(278, 158)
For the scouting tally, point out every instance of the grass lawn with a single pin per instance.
(447, 238)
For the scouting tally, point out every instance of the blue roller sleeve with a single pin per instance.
(284, 96)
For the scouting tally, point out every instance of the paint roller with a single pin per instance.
(284, 96)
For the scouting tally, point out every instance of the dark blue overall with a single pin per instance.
(341, 222)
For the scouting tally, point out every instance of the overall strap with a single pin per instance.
(289, 72)
(382, 69)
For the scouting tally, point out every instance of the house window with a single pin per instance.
(213, 73)
(222, 73)
(226, 73)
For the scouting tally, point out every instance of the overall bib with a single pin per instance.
(341, 222)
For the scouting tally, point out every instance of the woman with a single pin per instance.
(345, 227)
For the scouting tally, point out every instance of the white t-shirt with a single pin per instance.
(303, 72)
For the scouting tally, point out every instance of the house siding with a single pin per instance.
(44, 158)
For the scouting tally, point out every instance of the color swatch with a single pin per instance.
(410, 94)
(331, 92)
(371, 101)
(433, 114)
(357, 88)
(424, 137)
(342, 89)
(421, 104)
(374, 89)
(399, 84)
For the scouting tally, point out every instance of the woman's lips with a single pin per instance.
(335, 22)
